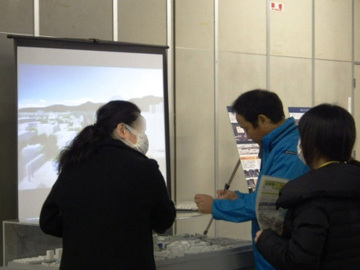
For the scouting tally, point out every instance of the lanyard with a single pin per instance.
(327, 163)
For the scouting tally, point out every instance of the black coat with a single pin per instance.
(322, 225)
(106, 208)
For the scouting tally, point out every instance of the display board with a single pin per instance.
(248, 152)
(297, 112)
(61, 83)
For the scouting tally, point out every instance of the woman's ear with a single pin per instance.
(120, 131)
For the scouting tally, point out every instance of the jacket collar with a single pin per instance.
(271, 139)
(119, 144)
(334, 180)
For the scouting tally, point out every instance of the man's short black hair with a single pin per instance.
(258, 101)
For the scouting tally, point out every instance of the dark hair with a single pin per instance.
(255, 102)
(327, 131)
(87, 141)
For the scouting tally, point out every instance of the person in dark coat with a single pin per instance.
(109, 197)
(322, 226)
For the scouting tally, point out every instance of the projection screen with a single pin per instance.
(61, 83)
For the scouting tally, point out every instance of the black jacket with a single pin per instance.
(106, 208)
(322, 225)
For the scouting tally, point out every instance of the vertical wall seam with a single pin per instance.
(36, 18)
(313, 55)
(352, 57)
(170, 41)
(216, 94)
(268, 45)
(353, 65)
(115, 20)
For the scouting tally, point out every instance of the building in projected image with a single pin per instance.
(44, 132)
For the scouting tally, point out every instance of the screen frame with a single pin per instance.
(107, 46)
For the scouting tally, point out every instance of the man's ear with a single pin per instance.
(121, 130)
(264, 120)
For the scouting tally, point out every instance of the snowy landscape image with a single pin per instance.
(56, 102)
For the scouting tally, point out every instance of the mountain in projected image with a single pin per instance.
(86, 107)
(145, 104)
(44, 131)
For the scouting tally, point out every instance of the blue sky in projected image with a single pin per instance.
(44, 85)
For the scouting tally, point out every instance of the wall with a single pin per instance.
(226, 47)
(218, 50)
(15, 17)
(356, 58)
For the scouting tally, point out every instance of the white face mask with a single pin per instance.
(142, 142)
(300, 152)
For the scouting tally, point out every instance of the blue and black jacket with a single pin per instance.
(278, 159)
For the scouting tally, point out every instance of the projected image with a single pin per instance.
(55, 102)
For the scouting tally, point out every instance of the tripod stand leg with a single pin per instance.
(227, 186)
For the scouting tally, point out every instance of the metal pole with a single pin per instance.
(226, 187)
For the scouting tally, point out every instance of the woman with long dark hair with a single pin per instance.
(109, 197)
(322, 225)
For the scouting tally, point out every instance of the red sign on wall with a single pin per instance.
(276, 6)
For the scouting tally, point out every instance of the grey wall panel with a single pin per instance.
(333, 29)
(291, 29)
(242, 26)
(17, 16)
(195, 141)
(291, 80)
(194, 24)
(76, 19)
(142, 21)
(333, 82)
(8, 134)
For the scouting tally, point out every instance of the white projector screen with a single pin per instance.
(59, 90)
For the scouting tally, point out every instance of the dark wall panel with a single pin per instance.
(17, 16)
(8, 140)
(142, 21)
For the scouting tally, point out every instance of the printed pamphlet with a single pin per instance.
(268, 216)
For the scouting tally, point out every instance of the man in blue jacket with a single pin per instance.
(260, 113)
